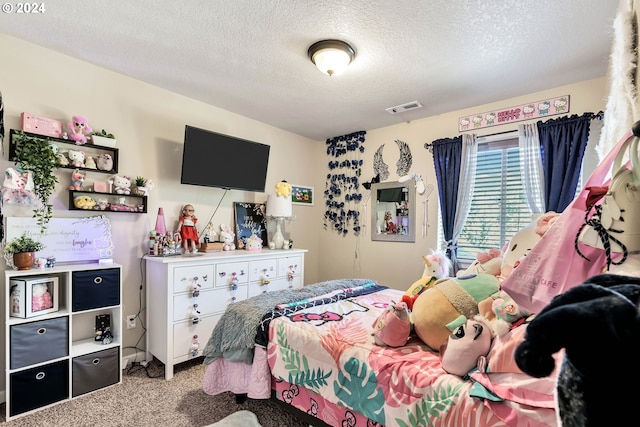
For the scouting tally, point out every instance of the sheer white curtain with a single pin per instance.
(466, 182)
(531, 167)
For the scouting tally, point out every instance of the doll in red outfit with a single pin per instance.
(187, 229)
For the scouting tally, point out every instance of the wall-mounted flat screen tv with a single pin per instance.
(212, 159)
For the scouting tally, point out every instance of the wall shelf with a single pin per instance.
(64, 145)
(132, 202)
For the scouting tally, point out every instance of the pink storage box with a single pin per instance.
(26, 298)
(41, 125)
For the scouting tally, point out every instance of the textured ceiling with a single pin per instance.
(250, 56)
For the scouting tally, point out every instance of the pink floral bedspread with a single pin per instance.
(330, 351)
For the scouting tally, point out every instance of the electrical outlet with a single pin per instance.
(131, 321)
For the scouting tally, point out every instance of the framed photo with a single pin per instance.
(250, 220)
(301, 195)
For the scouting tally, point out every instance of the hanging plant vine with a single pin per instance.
(342, 188)
(37, 155)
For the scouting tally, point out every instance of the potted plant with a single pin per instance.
(103, 138)
(36, 154)
(24, 250)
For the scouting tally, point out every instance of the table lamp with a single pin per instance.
(279, 208)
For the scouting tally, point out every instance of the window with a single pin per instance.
(498, 208)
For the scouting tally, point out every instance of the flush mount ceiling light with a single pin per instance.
(331, 56)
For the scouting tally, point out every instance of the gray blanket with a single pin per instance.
(234, 335)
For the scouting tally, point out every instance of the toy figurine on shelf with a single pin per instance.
(187, 229)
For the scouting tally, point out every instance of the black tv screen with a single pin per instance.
(211, 159)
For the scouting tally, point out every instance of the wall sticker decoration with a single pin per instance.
(530, 110)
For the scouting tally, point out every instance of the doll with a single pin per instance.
(187, 229)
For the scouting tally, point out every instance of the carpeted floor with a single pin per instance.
(145, 399)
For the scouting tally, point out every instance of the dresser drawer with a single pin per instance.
(95, 370)
(183, 333)
(37, 342)
(208, 302)
(227, 272)
(262, 269)
(40, 386)
(95, 289)
(186, 279)
(289, 266)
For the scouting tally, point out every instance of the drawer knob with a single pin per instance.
(97, 280)
(95, 361)
(40, 375)
(42, 331)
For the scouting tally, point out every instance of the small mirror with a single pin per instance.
(392, 213)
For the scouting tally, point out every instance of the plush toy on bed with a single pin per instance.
(392, 328)
(489, 262)
(436, 266)
(448, 304)
(598, 325)
(466, 344)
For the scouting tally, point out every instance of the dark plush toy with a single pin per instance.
(598, 325)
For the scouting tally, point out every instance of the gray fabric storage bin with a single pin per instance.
(39, 341)
(40, 386)
(95, 288)
(95, 370)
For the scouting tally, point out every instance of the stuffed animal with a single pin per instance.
(448, 304)
(392, 327)
(436, 266)
(500, 312)
(84, 202)
(227, 236)
(254, 243)
(76, 158)
(518, 247)
(598, 325)
(40, 297)
(283, 189)
(489, 262)
(104, 162)
(122, 184)
(18, 187)
(79, 129)
(90, 163)
(77, 179)
(466, 344)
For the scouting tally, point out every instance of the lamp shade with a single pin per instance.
(279, 206)
(331, 57)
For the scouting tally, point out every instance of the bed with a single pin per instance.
(315, 353)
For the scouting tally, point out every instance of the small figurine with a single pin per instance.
(195, 346)
(89, 163)
(77, 179)
(104, 162)
(187, 229)
(76, 158)
(79, 128)
(226, 236)
(122, 184)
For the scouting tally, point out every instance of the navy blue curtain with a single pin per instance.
(562, 144)
(447, 156)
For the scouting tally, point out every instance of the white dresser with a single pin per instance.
(187, 294)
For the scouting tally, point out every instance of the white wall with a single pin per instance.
(149, 124)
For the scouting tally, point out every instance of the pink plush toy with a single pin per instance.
(77, 179)
(466, 344)
(79, 128)
(392, 327)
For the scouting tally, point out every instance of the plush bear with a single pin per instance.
(598, 325)
(448, 304)
(77, 179)
(392, 327)
(254, 243)
(122, 184)
(76, 158)
(79, 129)
(436, 266)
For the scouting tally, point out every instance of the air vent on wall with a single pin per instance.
(404, 107)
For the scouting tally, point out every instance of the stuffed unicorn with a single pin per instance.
(436, 266)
